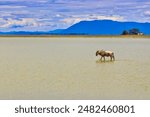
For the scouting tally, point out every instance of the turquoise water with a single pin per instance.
(67, 68)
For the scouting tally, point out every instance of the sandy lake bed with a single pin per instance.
(67, 68)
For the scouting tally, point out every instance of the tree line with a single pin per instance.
(133, 31)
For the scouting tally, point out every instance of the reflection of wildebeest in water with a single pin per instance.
(104, 54)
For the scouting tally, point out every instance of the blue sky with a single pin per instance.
(45, 15)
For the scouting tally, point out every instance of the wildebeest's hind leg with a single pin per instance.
(113, 57)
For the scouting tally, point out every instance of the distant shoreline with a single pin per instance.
(85, 36)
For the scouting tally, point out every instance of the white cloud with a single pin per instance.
(77, 18)
(59, 16)
(10, 23)
(42, 1)
(147, 13)
(11, 7)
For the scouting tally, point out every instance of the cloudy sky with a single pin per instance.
(44, 15)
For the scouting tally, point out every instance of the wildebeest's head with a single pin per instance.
(97, 52)
(100, 52)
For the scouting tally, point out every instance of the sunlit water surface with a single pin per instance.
(67, 68)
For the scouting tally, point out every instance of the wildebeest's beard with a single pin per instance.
(97, 53)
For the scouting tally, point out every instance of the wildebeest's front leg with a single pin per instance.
(110, 58)
(104, 58)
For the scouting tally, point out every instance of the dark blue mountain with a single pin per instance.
(105, 27)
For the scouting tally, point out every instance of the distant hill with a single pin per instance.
(96, 27)
(57, 31)
(53, 32)
(105, 27)
(23, 33)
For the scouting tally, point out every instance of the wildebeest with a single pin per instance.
(104, 54)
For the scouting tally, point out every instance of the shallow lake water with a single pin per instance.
(67, 68)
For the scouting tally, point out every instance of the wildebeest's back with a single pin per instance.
(108, 53)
